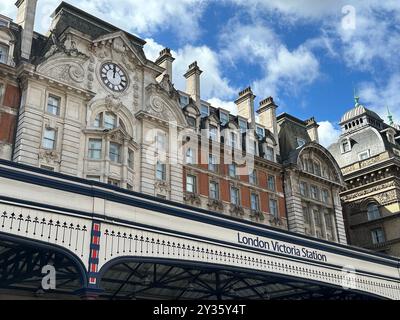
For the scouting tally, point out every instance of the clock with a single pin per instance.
(113, 77)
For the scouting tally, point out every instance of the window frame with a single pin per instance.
(193, 183)
(51, 107)
(111, 154)
(45, 138)
(91, 150)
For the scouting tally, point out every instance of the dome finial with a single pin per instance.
(390, 117)
(356, 98)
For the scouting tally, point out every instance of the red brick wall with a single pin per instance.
(11, 97)
(8, 120)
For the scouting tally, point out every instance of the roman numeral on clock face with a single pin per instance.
(113, 77)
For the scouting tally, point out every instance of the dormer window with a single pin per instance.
(212, 134)
(260, 132)
(363, 155)
(243, 125)
(4, 49)
(184, 101)
(204, 110)
(300, 142)
(346, 146)
(224, 117)
(191, 121)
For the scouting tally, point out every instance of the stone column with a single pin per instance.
(322, 214)
(312, 217)
(124, 170)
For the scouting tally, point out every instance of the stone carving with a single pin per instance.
(275, 221)
(50, 156)
(215, 204)
(256, 214)
(236, 210)
(193, 198)
(159, 109)
(162, 185)
(113, 103)
(368, 191)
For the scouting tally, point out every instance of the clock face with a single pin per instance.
(113, 77)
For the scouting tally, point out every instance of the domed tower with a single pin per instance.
(368, 153)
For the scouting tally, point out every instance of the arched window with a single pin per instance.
(108, 120)
(4, 49)
(373, 211)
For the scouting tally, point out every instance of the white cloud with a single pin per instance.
(328, 133)
(282, 69)
(137, 16)
(227, 105)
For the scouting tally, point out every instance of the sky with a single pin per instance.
(309, 55)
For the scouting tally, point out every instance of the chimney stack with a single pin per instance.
(193, 82)
(245, 104)
(312, 129)
(26, 19)
(267, 114)
(165, 61)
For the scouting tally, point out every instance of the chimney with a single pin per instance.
(26, 19)
(193, 82)
(267, 114)
(165, 61)
(312, 129)
(245, 104)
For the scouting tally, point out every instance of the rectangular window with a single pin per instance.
(3, 53)
(314, 192)
(233, 140)
(113, 182)
(110, 120)
(223, 117)
(271, 183)
(363, 155)
(214, 190)
(303, 189)
(235, 196)
(260, 131)
(161, 142)
(131, 159)
(94, 150)
(189, 156)
(191, 183)
(306, 215)
(49, 139)
(328, 221)
(270, 154)
(161, 171)
(325, 196)
(317, 218)
(346, 146)
(300, 142)
(253, 177)
(232, 170)
(243, 125)
(53, 105)
(254, 202)
(212, 133)
(273, 207)
(212, 163)
(204, 110)
(115, 152)
(98, 121)
(183, 100)
(377, 236)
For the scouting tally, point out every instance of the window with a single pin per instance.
(325, 196)
(232, 170)
(191, 183)
(363, 155)
(232, 140)
(3, 53)
(214, 190)
(204, 110)
(113, 182)
(377, 236)
(49, 139)
(98, 121)
(223, 117)
(254, 202)
(115, 152)
(183, 100)
(303, 189)
(212, 163)
(131, 159)
(314, 192)
(271, 183)
(161, 171)
(53, 105)
(373, 211)
(94, 151)
(1, 92)
(300, 142)
(317, 169)
(161, 142)
(189, 156)
(93, 178)
(317, 218)
(212, 134)
(306, 215)
(273, 207)
(110, 120)
(191, 121)
(242, 125)
(345, 146)
(235, 196)
(270, 154)
(260, 132)
(253, 176)
(328, 221)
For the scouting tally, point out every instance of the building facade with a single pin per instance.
(368, 152)
(85, 101)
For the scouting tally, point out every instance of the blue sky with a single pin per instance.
(309, 55)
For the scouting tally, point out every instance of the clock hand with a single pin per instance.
(115, 70)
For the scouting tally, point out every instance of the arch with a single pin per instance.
(134, 266)
(325, 154)
(49, 249)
